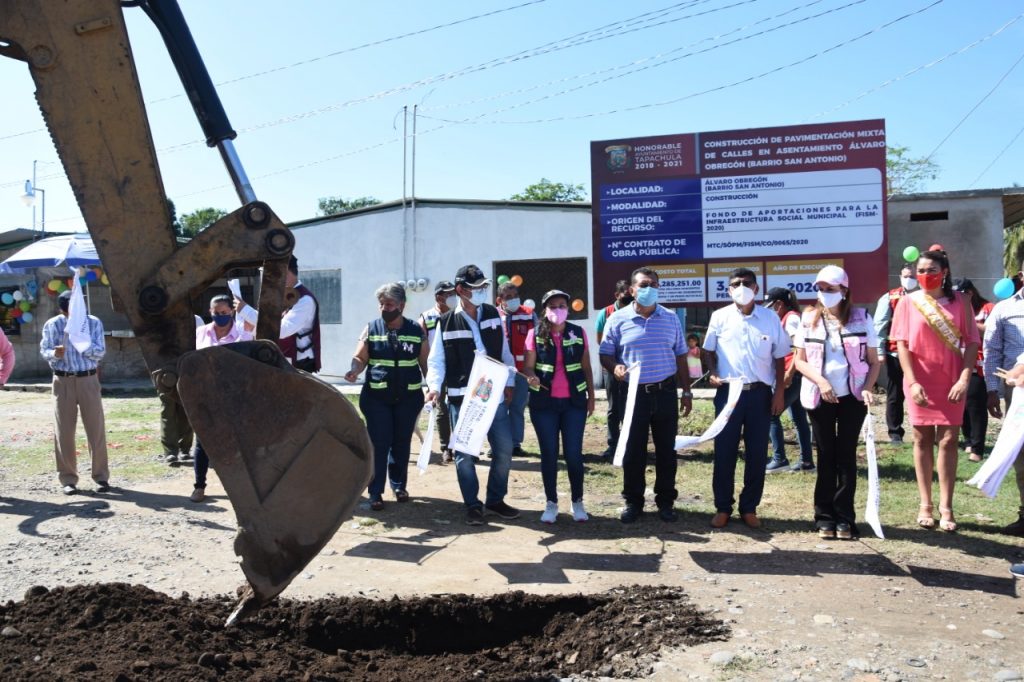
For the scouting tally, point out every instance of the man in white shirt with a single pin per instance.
(474, 326)
(744, 342)
(300, 325)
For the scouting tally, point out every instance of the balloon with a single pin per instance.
(18, 295)
(577, 304)
(61, 288)
(26, 317)
(529, 303)
(17, 312)
(7, 299)
(103, 278)
(502, 279)
(517, 280)
(25, 305)
(53, 284)
(936, 247)
(911, 254)
(32, 287)
(90, 276)
(83, 281)
(1003, 288)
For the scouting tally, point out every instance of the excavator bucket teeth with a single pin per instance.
(291, 451)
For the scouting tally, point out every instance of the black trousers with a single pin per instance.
(976, 415)
(894, 396)
(659, 413)
(615, 390)
(836, 430)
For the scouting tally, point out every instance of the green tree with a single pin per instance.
(336, 205)
(173, 213)
(545, 190)
(904, 174)
(1013, 249)
(195, 222)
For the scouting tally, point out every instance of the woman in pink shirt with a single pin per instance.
(937, 342)
(557, 366)
(6, 359)
(220, 332)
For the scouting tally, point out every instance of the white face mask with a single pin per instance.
(511, 305)
(908, 283)
(742, 295)
(830, 299)
(451, 301)
(478, 296)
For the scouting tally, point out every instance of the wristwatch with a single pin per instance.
(686, 394)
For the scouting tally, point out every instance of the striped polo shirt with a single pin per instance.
(655, 342)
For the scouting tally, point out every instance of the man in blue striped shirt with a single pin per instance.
(650, 334)
(76, 387)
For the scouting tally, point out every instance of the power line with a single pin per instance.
(975, 107)
(764, 74)
(915, 70)
(998, 156)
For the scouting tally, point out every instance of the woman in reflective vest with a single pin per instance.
(836, 353)
(394, 350)
(561, 381)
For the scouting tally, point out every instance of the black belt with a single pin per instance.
(663, 385)
(756, 384)
(86, 373)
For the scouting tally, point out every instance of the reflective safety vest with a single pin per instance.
(517, 326)
(460, 349)
(393, 370)
(429, 320)
(572, 357)
(854, 337)
(894, 298)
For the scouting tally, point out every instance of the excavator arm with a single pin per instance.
(290, 450)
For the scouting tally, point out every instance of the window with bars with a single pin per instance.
(542, 275)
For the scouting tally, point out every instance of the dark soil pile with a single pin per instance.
(124, 632)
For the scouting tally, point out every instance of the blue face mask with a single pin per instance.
(647, 296)
(222, 320)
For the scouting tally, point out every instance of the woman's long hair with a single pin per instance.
(942, 259)
(543, 334)
(844, 308)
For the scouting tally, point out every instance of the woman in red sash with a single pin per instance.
(937, 342)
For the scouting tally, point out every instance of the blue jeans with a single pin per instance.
(517, 410)
(200, 464)
(500, 437)
(390, 426)
(561, 417)
(751, 417)
(803, 429)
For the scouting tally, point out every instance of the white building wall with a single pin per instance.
(368, 249)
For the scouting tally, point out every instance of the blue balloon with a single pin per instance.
(7, 299)
(26, 317)
(1003, 288)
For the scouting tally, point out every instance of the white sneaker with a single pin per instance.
(578, 512)
(550, 513)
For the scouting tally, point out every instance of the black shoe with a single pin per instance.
(503, 510)
(802, 466)
(827, 530)
(517, 451)
(1015, 528)
(475, 517)
(630, 514)
(102, 487)
(608, 453)
(70, 489)
(896, 440)
(668, 514)
(846, 531)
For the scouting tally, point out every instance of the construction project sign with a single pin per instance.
(780, 201)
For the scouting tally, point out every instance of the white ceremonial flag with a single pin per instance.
(235, 288)
(627, 418)
(485, 393)
(428, 441)
(1004, 452)
(735, 391)
(78, 318)
(874, 491)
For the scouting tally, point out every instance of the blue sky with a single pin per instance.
(506, 99)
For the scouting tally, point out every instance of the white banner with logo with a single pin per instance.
(485, 392)
(735, 391)
(78, 318)
(428, 440)
(874, 490)
(627, 417)
(1004, 452)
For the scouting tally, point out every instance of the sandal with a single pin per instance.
(401, 495)
(948, 525)
(377, 505)
(924, 517)
(975, 457)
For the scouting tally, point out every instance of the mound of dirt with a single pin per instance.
(126, 632)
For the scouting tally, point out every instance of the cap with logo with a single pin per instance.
(776, 294)
(551, 294)
(471, 276)
(442, 286)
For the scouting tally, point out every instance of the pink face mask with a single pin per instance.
(556, 315)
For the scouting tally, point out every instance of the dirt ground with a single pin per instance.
(772, 604)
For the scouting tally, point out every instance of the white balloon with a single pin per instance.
(18, 295)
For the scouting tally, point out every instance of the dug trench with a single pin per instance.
(116, 631)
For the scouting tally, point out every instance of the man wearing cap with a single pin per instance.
(647, 333)
(300, 324)
(444, 300)
(76, 387)
(782, 302)
(517, 320)
(474, 326)
(887, 349)
(745, 342)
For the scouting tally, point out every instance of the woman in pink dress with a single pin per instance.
(937, 342)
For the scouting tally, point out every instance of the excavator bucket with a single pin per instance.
(291, 451)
